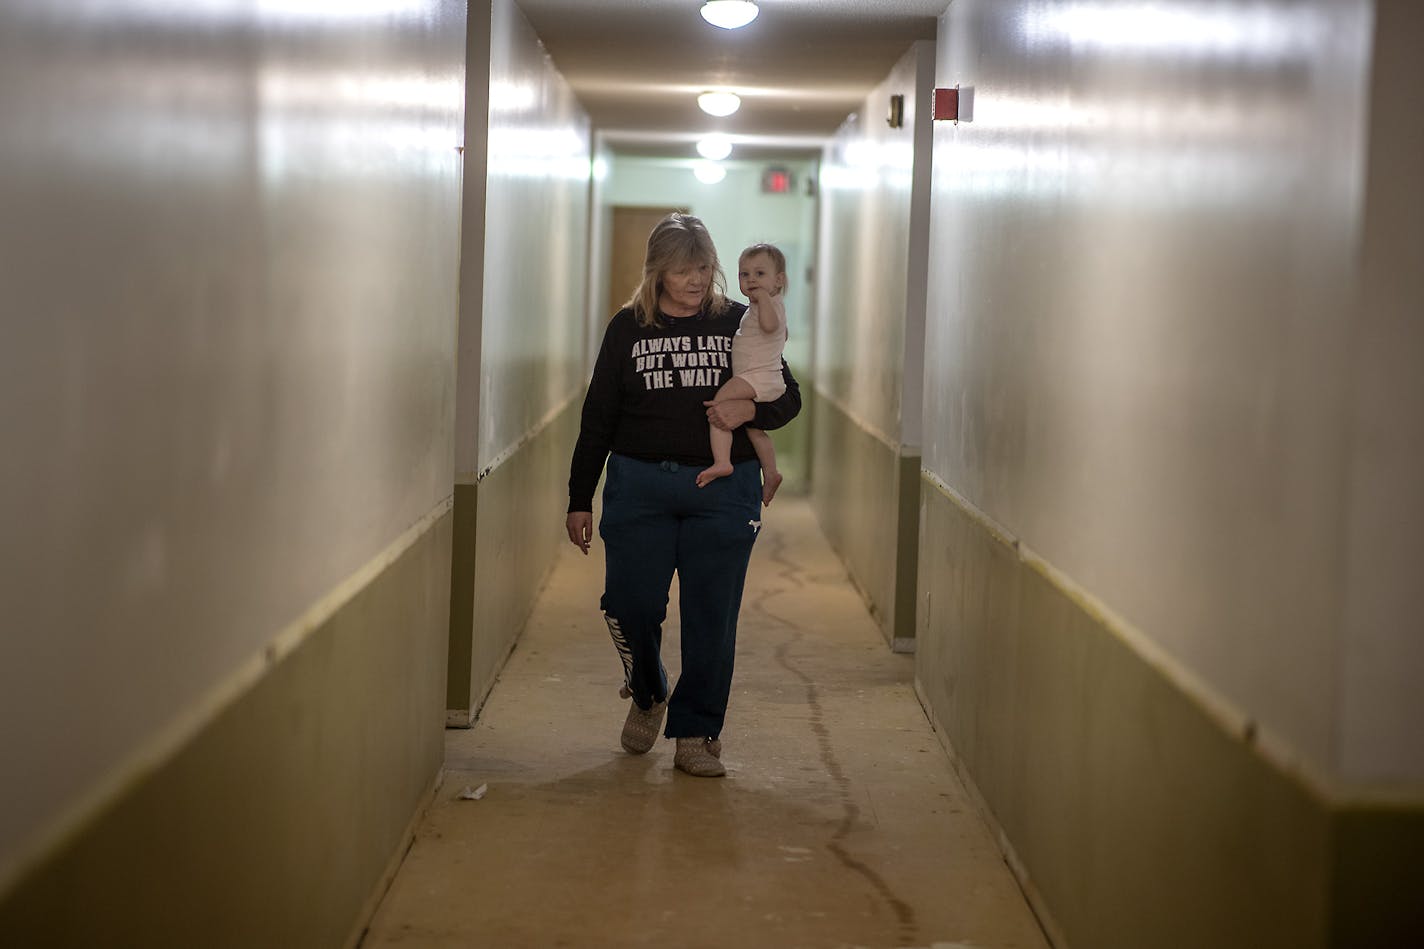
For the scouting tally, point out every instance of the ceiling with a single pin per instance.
(800, 67)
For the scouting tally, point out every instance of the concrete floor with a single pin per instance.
(840, 823)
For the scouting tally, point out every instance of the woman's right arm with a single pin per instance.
(770, 416)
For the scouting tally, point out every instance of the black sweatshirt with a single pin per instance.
(645, 398)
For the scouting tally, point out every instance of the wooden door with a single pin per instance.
(631, 227)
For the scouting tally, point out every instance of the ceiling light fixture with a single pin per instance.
(729, 14)
(719, 103)
(709, 172)
(715, 147)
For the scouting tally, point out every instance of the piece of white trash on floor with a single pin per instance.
(473, 794)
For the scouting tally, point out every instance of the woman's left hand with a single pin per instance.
(731, 414)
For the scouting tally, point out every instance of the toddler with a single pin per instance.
(756, 361)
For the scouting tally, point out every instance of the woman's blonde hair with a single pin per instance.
(678, 240)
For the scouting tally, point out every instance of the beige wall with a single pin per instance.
(870, 301)
(1168, 607)
(869, 341)
(1146, 274)
(229, 244)
(523, 299)
(535, 242)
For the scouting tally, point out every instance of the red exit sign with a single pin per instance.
(776, 180)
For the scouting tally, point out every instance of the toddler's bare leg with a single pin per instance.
(733, 388)
(766, 454)
(721, 457)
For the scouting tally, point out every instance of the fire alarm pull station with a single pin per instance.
(946, 104)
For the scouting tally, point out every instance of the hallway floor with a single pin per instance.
(840, 823)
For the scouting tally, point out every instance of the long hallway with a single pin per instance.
(1105, 317)
(840, 824)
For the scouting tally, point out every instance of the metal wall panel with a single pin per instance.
(523, 288)
(1143, 269)
(869, 340)
(229, 242)
(535, 241)
(864, 294)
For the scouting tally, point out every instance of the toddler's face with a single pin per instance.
(758, 272)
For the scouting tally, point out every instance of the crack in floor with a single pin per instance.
(790, 573)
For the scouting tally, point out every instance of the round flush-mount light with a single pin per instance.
(715, 147)
(729, 14)
(719, 103)
(709, 172)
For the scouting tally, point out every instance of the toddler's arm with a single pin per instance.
(770, 313)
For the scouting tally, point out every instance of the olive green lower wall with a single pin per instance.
(793, 446)
(866, 498)
(1135, 818)
(508, 527)
(277, 823)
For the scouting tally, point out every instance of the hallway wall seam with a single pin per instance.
(170, 739)
(550, 417)
(867, 503)
(500, 565)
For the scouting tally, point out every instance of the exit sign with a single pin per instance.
(776, 180)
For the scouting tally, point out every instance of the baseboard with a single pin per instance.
(502, 558)
(388, 876)
(1041, 911)
(866, 498)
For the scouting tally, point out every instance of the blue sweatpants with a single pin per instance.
(656, 520)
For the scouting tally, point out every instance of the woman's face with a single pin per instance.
(684, 289)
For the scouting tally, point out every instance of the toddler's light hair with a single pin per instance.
(778, 259)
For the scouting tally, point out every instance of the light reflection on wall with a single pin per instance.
(866, 178)
(193, 103)
(536, 191)
(1177, 30)
(1087, 132)
(1142, 256)
(558, 153)
(215, 14)
(306, 11)
(232, 228)
(866, 164)
(510, 95)
(1128, 131)
(315, 122)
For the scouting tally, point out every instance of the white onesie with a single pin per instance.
(756, 355)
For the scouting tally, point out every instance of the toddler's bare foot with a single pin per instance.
(711, 474)
(771, 480)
